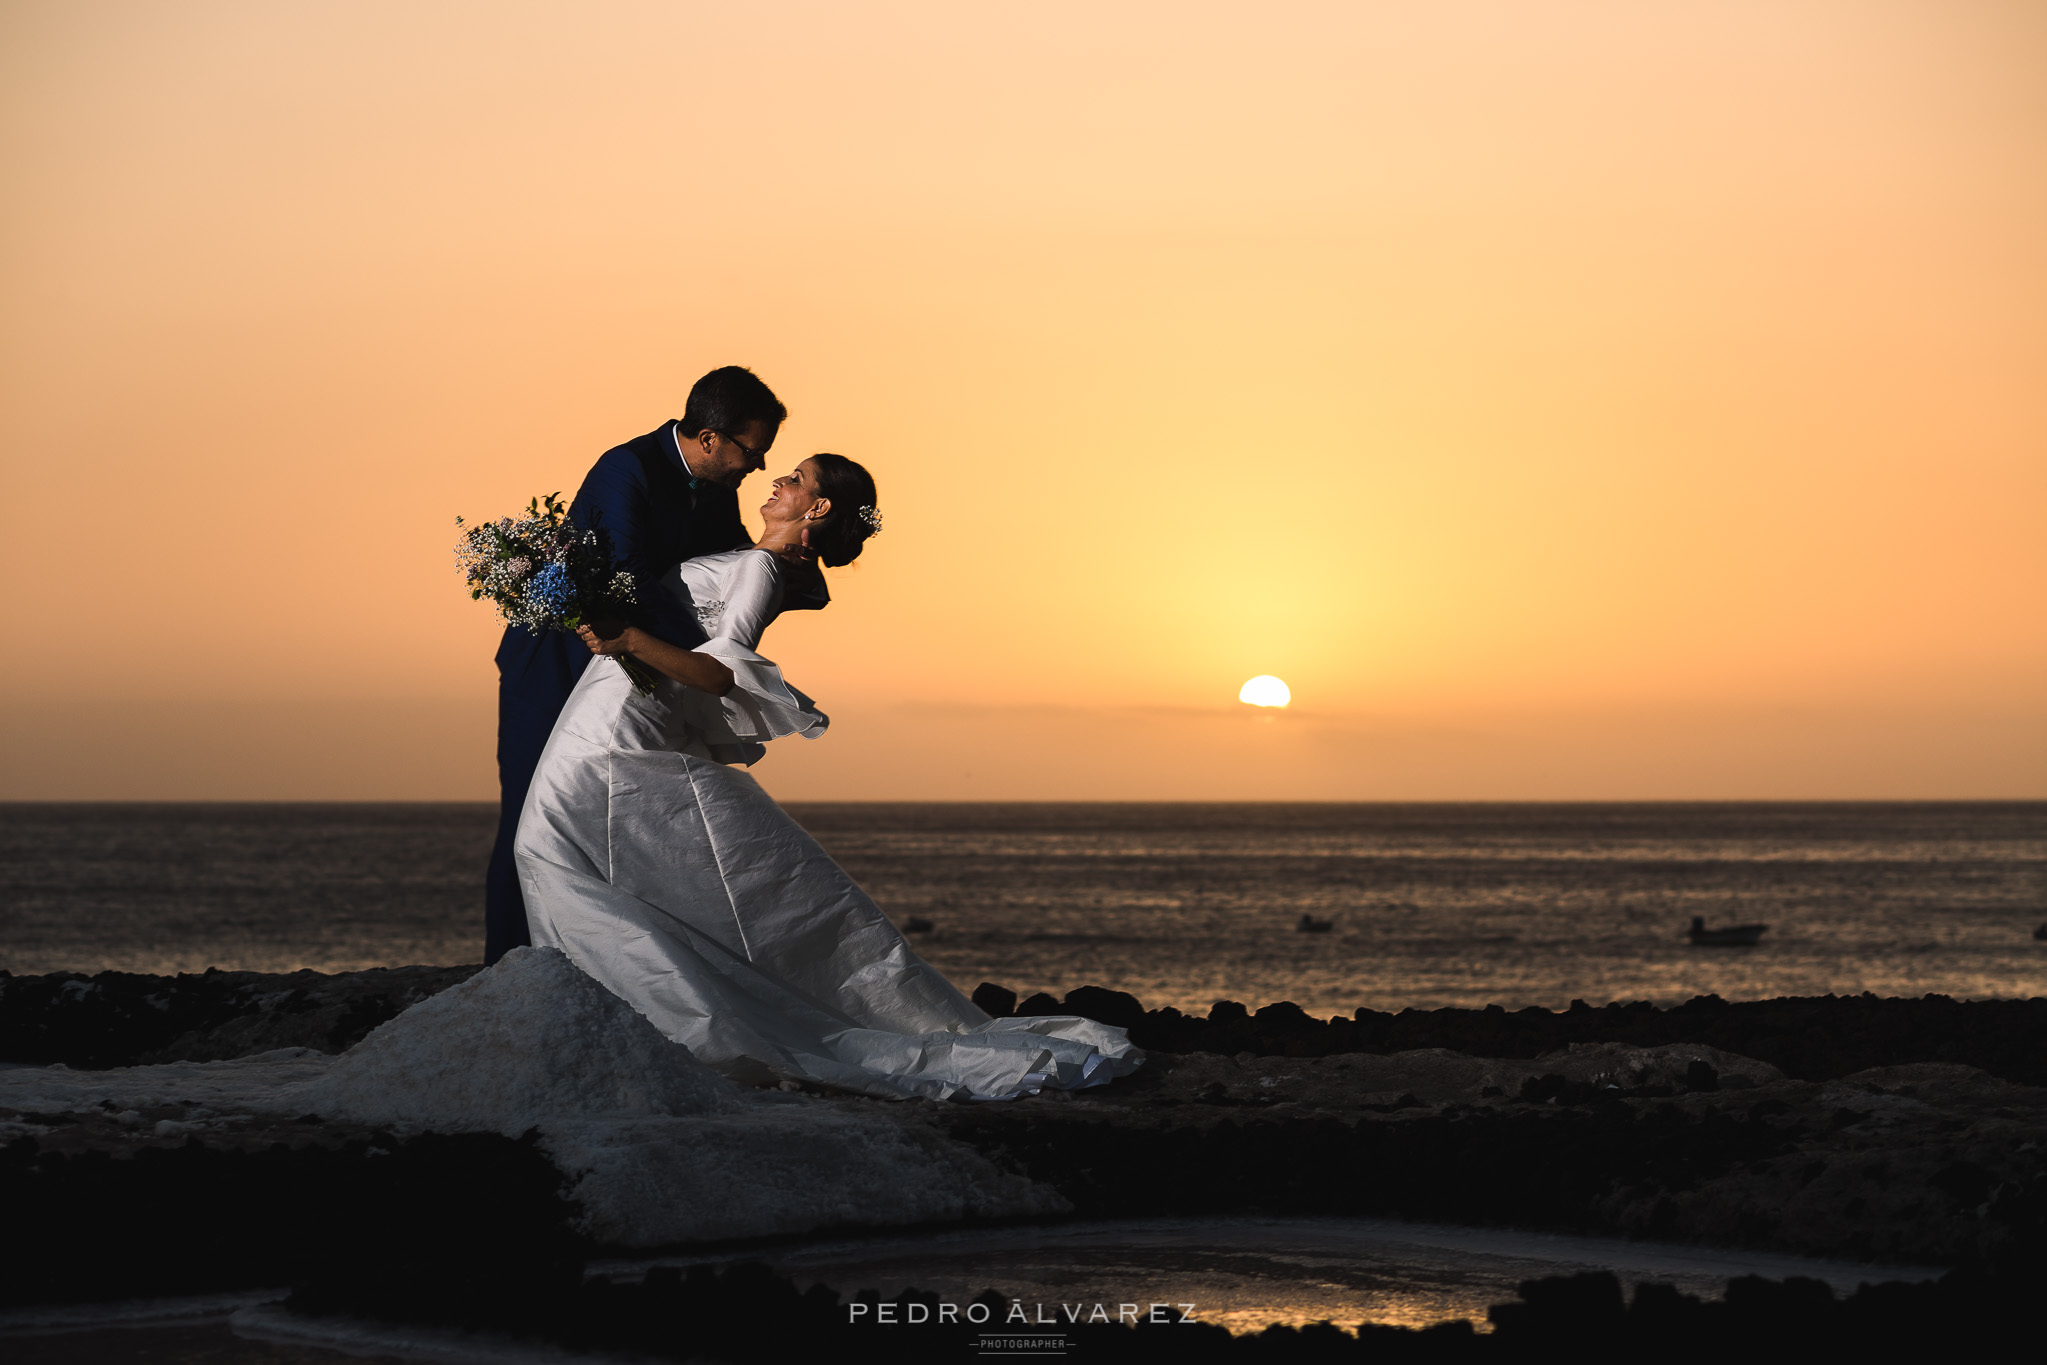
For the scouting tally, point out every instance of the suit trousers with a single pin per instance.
(536, 672)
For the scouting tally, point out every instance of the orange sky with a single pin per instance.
(1623, 399)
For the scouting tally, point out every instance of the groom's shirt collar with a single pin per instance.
(675, 430)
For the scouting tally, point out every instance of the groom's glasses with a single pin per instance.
(759, 457)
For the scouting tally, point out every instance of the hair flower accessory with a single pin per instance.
(871, 518)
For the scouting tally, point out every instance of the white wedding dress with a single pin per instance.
(674, 880)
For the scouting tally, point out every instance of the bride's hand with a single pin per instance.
(606, 637)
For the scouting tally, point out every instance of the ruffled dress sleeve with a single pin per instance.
(761, 705)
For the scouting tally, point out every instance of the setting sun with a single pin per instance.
(1265, 690)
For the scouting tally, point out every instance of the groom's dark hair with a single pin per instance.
(727, 399)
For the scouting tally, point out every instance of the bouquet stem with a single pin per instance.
(643, 677)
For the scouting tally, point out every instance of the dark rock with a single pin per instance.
(998, 1002)
(1117, 1009)
(1567, 1311)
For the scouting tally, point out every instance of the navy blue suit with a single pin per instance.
(639, 498)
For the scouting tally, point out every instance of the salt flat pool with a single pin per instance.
(1243, 1273)
(1247, 1272)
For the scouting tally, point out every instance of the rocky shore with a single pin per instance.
(126, 1019)
(1809, 1038)
(1900, 1130)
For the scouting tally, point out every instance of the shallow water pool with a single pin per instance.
(1246, 1272)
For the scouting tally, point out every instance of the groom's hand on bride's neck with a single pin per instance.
(801, 555)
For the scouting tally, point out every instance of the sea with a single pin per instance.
(1180, 904)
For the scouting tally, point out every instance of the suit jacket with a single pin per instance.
(637, 497)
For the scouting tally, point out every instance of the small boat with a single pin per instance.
(1310, 925)
(917, 924)
(1731, 936)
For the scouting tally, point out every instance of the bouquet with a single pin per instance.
(542, 571)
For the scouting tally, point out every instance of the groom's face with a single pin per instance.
(728, 457)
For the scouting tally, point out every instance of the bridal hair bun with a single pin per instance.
(838, 538)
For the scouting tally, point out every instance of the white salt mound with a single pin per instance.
(530, 1039)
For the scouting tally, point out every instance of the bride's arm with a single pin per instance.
(753, 597)
(695, 670)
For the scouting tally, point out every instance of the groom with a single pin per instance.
(659, 499)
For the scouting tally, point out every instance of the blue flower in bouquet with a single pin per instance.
(553, 589)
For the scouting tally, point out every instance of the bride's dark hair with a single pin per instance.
(855, 514)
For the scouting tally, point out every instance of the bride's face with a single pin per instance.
(795, 494)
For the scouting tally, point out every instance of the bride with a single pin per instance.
(672, 878)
